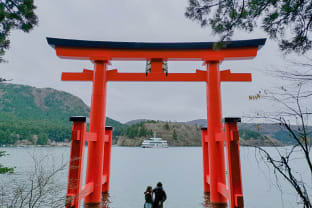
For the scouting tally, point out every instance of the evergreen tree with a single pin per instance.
(166, 126)
(15, 14)
(42, 139)
(4, 169)
(174, 135)
(288, 21)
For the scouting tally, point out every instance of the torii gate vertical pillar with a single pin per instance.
(205, 160)
(97, 125)
(214, 126)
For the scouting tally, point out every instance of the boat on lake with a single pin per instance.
(154, 143)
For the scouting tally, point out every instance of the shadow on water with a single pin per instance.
(207, 203)
(106, 202)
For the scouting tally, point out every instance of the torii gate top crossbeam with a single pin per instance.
(201, 51)
(156, 53)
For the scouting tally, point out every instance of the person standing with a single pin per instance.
(148, 197)
(159, 196)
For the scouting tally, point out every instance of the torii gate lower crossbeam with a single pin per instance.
(99, 138)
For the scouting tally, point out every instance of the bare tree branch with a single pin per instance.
(293, 105)
(40, 190)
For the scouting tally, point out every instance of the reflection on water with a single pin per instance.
(105, 200)
(104, 203)
(207, 203)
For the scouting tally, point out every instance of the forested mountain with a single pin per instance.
(32, 103)
(185, 134)
(30, 115)
(34, 116)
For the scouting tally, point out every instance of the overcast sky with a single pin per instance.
(31, 61)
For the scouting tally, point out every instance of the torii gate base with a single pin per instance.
(233, 192)
(99, 138)
(75, 191)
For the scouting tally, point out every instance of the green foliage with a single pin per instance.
(137, 130)
(14, 129)
(118, 127)
(174, 135)
(15, 14)
(288, 21)
(34, 104)
(3, 169)
(132, 132)
(42, 139)
(248, 134)
(27, 113)
(166, 126)
(151, 121)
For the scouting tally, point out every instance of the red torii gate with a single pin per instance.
(100, 138)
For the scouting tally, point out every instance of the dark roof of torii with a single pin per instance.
(57, 42)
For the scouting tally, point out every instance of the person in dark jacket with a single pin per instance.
(148, 197)
(159, 196)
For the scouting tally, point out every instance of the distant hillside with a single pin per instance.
(184, 134)
(34, 115)
(188, 133)
(136, 121)
(200, 122)
(30, 115)
(176, 133)
(270, 130)
(34, 103)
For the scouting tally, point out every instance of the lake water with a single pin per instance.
(178, 168)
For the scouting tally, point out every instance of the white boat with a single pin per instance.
(154, 143)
